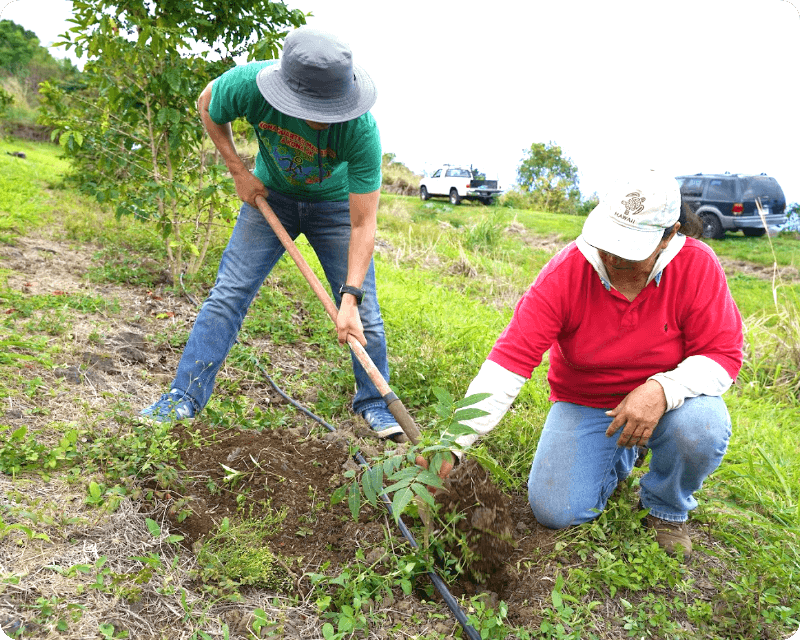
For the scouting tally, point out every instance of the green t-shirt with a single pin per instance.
(292, 157)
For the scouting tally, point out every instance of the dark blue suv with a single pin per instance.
(727, 202)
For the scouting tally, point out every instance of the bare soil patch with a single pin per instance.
(763, 272)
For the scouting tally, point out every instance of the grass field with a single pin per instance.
(448, 280)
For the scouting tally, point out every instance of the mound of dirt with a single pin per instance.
(486, 518)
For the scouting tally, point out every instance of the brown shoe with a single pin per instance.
(670, 534)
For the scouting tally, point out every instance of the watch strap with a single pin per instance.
(355, 291)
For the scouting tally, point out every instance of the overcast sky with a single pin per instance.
(685, 86)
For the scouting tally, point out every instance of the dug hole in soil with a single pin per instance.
(293, 470)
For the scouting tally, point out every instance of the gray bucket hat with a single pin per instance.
(317, 80)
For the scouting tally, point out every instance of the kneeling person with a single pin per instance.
(644, 338)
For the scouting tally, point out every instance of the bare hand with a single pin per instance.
(248, 187)
(447, 466)
(348, 323)
(639, 413)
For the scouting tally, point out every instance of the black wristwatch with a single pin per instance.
(355, 291)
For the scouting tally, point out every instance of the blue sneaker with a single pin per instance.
(383, 424)
(172, 406)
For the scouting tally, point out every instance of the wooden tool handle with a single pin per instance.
(393, 403)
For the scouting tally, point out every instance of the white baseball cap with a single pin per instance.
(632, 215)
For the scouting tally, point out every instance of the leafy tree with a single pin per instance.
(17, 47)
(397, 177)
(6, 99)
(550, 179)
(133, 132)
(586, 206)
(477, 174)
(22, 57)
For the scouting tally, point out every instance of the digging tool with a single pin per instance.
(393, 403)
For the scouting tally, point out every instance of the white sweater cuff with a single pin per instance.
(503, 387)
(695, 376)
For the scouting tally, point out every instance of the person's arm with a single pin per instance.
(247, 185)
(503, 387)
(713, 344)
(363, 226)
(642, 408)
(695, 376)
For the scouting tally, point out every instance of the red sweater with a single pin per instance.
(603, 346)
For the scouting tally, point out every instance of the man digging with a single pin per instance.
(319, 168)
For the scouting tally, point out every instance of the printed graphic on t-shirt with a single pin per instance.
(298, 158)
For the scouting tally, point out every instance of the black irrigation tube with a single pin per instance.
(438, 583)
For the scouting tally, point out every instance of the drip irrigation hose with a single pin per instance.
(438, 583)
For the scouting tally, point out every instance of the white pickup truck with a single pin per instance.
(457, 184)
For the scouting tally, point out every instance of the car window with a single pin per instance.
(692, 187)
(458, 173)
(722, 190)
(436, 173)
(761, 187)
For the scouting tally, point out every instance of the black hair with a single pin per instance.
(691, 225)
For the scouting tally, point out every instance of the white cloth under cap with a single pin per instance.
(630, 219)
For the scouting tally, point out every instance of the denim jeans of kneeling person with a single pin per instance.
(576, 466)
(251, 253)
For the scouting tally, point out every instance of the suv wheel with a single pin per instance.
(754, 233)
(712, 227)
(454, 197)
(423, 193)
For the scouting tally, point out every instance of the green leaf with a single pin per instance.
(377, 478)
(390, 464)
(397, 486)
(469, 414)
(94, 490)
(405, 473)
(369, 490)
(173, 77)
(152, 527)
(338, 495)
(470, 400)
(430, 478)
(443, 396)
(401, 500)
(354, 500)
(425, 495)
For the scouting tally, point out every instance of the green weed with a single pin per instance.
(484, 235)
(349, 598)
(236, 555)
(21, 451)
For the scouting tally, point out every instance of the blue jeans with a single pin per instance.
(252, 252)
(576, 466)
